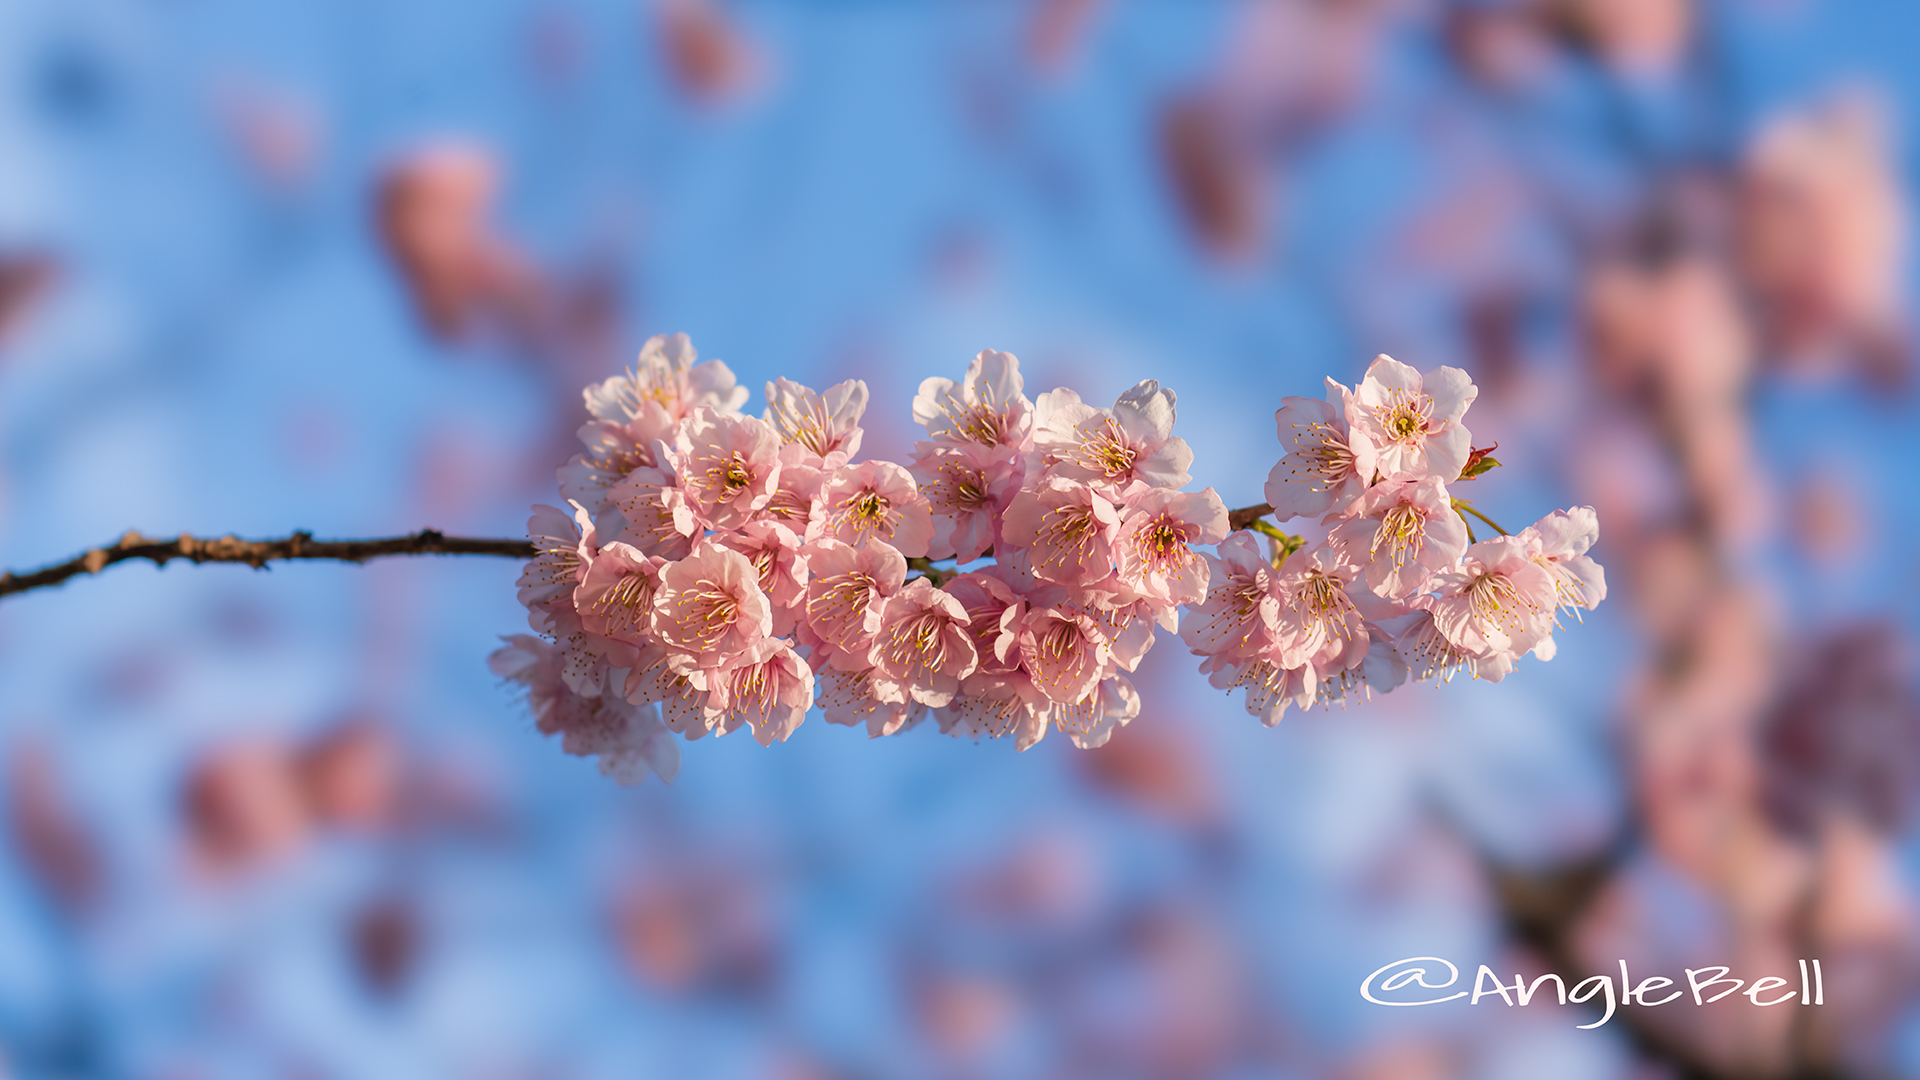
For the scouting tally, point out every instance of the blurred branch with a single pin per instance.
(1244, 517)
(258, 553)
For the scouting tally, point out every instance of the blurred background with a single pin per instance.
(344, 265)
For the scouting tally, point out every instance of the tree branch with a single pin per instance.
(1244, 517)
(302, 545)
(258, 553)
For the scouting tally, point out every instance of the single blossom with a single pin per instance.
(846, 590)
(1068, 529)
(986, 407)
(775, 552)
(1241, 610)
(1326, 466)
(994, 704)
(1413, 420)
(562, 546)
(729, 467)
(1270, 688)
(823, 423)
(1090, 722)
(1498, 600)
(1559, 542)
(1320, 624)
(666, 374)
(646, 512)
(613, 450)
(799, 484)
(848, 698)
(1430, 656)
(615, 598)
(1064, 653)
(1158, 529)
(1403, 532)
(968, 487)
(874, 501)
(993, 611)
(923, 646)
(629, 740)
(768, 688)
(1132, 441)
(709, 606)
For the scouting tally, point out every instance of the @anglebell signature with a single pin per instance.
(1412, 981)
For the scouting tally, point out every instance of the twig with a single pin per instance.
(1467, 507)
(1244, 517)
(258, 553)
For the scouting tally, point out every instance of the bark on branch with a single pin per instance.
(302, 545)
(258, 553)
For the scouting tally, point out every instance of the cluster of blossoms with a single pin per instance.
(1395, 584)
(720, 570)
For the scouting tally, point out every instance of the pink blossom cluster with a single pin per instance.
(721, 570)
(1394, 584)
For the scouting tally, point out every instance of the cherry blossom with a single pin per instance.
(985, 407)
(729, 466)
(721, 571)
(869, 502)
(1403, 532)
(1132, 441)
(1326, 467)
(822, 424)
(1413, 420)
(1069, 529)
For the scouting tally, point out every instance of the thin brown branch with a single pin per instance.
(258, 553)
(1244, 517)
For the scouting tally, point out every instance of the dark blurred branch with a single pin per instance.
(258, 553)
(1244, 517)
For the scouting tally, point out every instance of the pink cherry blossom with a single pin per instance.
(994, 704)
(1090, 722)
(646, 511)
(968, 487)
(1413, 420)
(1069, 529)
(615, 598)
(1270, 688)
(793, 493)
(1559, 542)
(1132, 441)
(874, 501)
(923, 647)
(768, 687)
(848, 698)
(992, 613)
(1064, 653)
(1498, 600)
(666, 374)
(629, 740)
(1403, 532)
(1430, 656)
(985, 407)
(710, 607)
(1319, 624)
(846, 590)
(1241, 611)
(728, 466)
(560, 559)
(822, 423)
(1155, 544)
(774, 550)
(615, 449)
(1325, 467)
